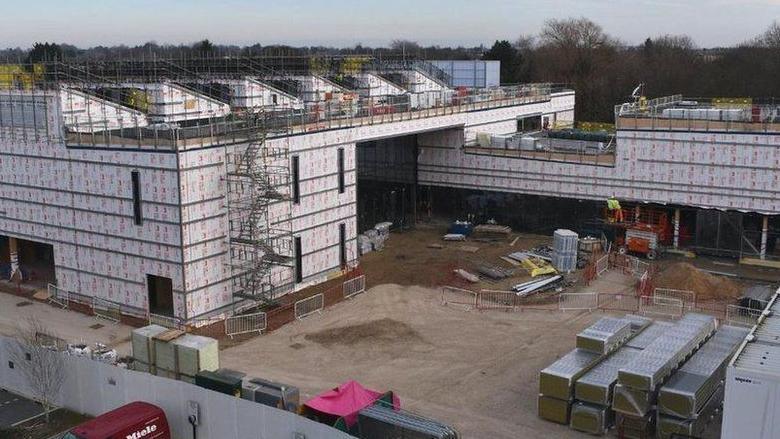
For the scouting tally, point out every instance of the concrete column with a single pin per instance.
(676, 227)
(13, 246)
(764, 233)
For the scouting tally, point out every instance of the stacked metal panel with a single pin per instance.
(605, 335)
(687, 391)
(556, 382)
(668, 427)
(378, 422)
(565, 244)
(594, 389)
(636, 391)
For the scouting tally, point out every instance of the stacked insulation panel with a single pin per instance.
(173, 354)
(142, 340)
(564, 256)
(556, 382)
(636, 391)
(696, 389)
(593, 391)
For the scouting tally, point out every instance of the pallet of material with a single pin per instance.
(377, 421)
(491, 231)
(590, 418)
(668, 427)
(142, 343)
(685, 393)
(662, 357)
(605, 335)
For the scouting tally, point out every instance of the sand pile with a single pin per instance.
(684, 276)
(376, 331)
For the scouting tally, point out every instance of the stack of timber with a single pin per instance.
(491, 232)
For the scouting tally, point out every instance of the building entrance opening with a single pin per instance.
(387, 182)
(160, 295)
(26, 261)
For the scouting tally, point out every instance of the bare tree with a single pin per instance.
(770, 38)
(578, 33)
(35, 352)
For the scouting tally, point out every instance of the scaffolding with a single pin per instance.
(260, 223)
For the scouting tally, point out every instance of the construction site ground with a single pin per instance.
(475, 370)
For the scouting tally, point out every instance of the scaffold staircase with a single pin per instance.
(259, 216)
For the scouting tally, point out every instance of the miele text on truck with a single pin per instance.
(137, 420)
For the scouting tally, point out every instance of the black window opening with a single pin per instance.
(529, 124)
(298, 260)
(343, 245)
(137, 214)
(296, 180)
(275, 98)
(341, 170)
(160, 295)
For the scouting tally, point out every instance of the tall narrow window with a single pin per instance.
(343, 245)
(341, 170)
(137, 217)
(298, 260)
(296, 180)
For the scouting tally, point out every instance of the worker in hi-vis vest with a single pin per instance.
(615, 212)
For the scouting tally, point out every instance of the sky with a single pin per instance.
(344, 23)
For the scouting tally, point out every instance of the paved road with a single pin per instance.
(15, 409)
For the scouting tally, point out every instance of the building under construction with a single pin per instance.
(193, 188)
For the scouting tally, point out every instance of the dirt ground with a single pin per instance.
(73, 327)
(407, 259)
(475, 370)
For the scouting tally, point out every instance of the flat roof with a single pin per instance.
(760, 352)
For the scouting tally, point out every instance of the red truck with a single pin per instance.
(137, 420)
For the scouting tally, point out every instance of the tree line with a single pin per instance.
(573, 51)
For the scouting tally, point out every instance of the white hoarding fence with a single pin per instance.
(578, 301)
(458, 297)
(354, 286)
(687, 297)
(308, 306)
(58, 296)
(742, 316)
(661, 306)
(93, 388)
(491, 299)
(106, 310)
(245, 323)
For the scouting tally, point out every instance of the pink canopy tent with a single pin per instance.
(346, 401)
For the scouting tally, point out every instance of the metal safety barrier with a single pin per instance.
(491, 299)
(166, 321)
(578, 301)
(58, 296)
(618, 302)
(687, 297)
(245, 324)
(354, 286)
(106, 310)
(458, 297)
(602, 265)
(309, 306)
(742, 316)
(661, 306)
